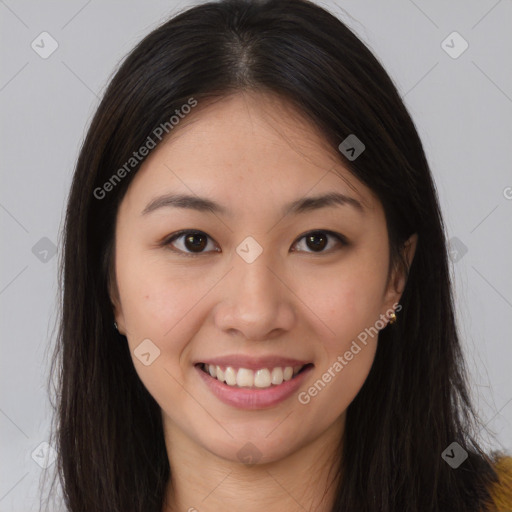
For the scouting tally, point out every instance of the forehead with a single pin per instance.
(243, 145)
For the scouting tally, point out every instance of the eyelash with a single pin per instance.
(168, 241)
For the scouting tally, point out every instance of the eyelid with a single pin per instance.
(169, 239)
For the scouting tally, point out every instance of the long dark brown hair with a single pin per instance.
(415, 401)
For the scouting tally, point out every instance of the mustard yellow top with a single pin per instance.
(501, 492)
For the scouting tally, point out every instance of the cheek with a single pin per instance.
(157, 306)
(337, 383)
(347, 299)
(154, 301)
(350, 310)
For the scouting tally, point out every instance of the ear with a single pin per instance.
(399, 274)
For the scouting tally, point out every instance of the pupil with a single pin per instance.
(315, 245)
(195, 245)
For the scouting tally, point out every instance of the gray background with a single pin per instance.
(462, 108)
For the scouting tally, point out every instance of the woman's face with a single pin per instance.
(255, 294)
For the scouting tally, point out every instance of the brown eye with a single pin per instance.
(189, 242)
(317, 241)
(196, 242)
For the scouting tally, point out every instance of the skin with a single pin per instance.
(252, 153)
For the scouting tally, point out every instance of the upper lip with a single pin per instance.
(253, 363)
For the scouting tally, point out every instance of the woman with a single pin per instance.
(257, 308)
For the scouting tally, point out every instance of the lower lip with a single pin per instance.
(253, 398)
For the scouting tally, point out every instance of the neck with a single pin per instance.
(202, 481)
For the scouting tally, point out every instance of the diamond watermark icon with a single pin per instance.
(44, 45)
(454, 45)
(249, 454)
(351, 147)
(44, 455)
(249, 249)
(456, 249)
(454, 455)
(147, 352)
(44, 250)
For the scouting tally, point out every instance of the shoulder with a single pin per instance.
(501, 491)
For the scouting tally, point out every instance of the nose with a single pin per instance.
(258, 302)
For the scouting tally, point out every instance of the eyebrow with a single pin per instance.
(203, 204)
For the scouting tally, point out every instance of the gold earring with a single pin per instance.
(392, 318)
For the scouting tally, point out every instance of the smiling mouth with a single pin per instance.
(262, 378)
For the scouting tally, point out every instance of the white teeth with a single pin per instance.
(243, 377)
(230, 376)
(288, 373)
(262, 378)
(277, 376)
